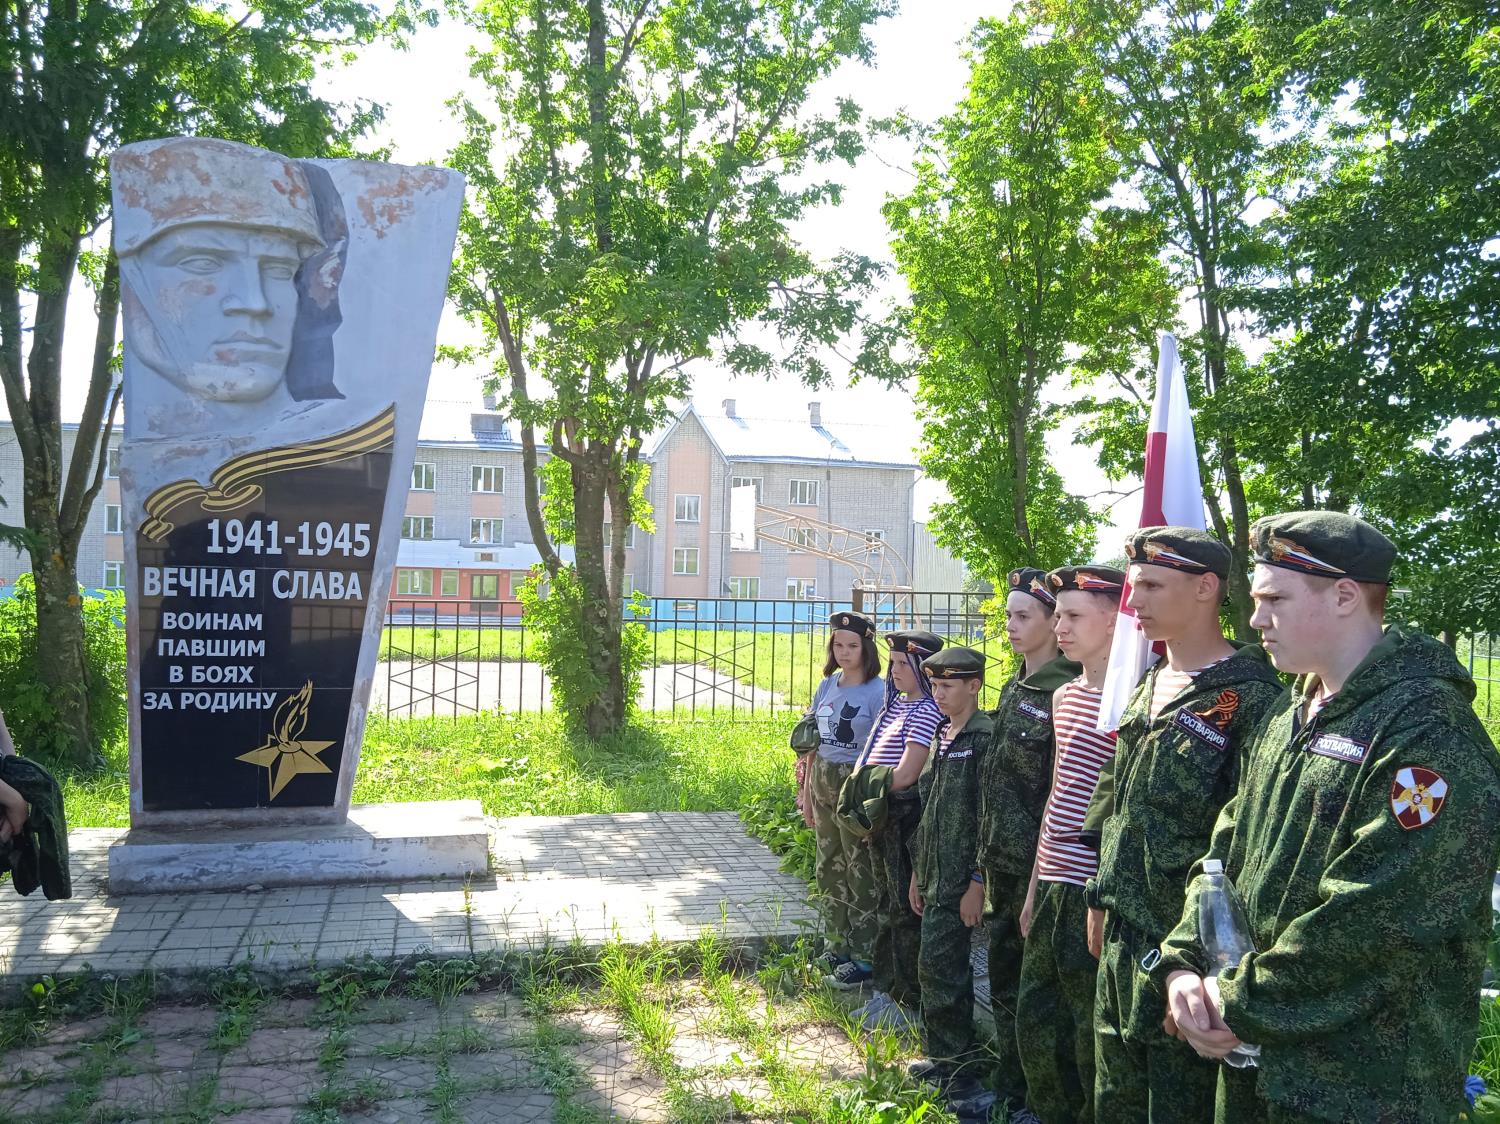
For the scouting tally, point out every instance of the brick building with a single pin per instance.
(465, 536)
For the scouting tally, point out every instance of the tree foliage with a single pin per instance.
(635, 168)
(1384, 289)
(1018, 273)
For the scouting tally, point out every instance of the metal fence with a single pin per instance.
(1481, 655)
(706, 657)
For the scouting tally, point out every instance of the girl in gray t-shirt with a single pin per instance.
(846, 705)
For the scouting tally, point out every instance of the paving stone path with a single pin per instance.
(554, 880)
(476, 1058)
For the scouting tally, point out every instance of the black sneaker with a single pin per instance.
(925, 1069)
(967, 1097)
(828, 962)
(849, 975)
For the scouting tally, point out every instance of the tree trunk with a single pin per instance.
(1216, 340)
(61, 664)
(605, 713)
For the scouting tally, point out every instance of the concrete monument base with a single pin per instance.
(378, 843)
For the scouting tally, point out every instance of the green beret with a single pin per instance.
(1179, 548)
(915, 641)
(955, 663)
(1087, 579)
(857, 623)
(1326, 544)
(1032, 582)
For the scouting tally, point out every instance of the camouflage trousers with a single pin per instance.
(1004, 895)
(898, 935)
(1237, 1102)
(842, 868)
(1142, 1076)
(947, 979)
(1055, 1007)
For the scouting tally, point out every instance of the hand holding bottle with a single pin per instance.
(1225, 935)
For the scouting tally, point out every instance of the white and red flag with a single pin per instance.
(1173, 496)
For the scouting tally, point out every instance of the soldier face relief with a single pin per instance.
(211, 309)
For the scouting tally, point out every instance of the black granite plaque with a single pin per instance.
(251, 614)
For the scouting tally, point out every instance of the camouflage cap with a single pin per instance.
(955, 663)
(1087, 579)
(915, 640)
(1032, 582)
(1325, 544)
(857, 623)
(1179, 548)
(159, 185)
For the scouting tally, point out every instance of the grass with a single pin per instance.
(1486, 1059)
(531, 765)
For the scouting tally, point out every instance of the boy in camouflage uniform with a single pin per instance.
(1055, 999)
(1362, 838)
(1174, 767)
(1015, 776)
(947, 887)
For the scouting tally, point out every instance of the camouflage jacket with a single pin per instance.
(1016, 774)
(947, 839)
(1363, 843)
(1171, 775)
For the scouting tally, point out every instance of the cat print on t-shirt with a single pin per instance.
(839, 730)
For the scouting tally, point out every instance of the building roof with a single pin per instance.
(839, 439)
(459, 421)
(453, 554)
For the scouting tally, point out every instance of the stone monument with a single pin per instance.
(280, 317)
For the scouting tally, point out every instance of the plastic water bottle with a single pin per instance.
(1225, 935)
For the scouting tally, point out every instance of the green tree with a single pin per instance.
(80, 80)
(1192, 132)
(1385, 293)
(633, 180)
(1018, 273)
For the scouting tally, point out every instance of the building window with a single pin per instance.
(800, 538)
(629, 585)
(112, 468)
(416, 527)
(450, 583)
(423, 477)
(874, 539)
(685, 560)
(484, 587)
(114, 575)
(685, 509)
(111, 519)
(609, 536)
(804, 493)
(744, 589)
(414, 583)
(741, 481)
(490, 531)
(487, 478)
(801, 589)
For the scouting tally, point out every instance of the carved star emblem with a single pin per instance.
(286, 753)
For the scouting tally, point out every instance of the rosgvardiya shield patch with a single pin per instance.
(1417, 796)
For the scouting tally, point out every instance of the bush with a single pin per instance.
(554, 612)
(29, 713)
(773, 818)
